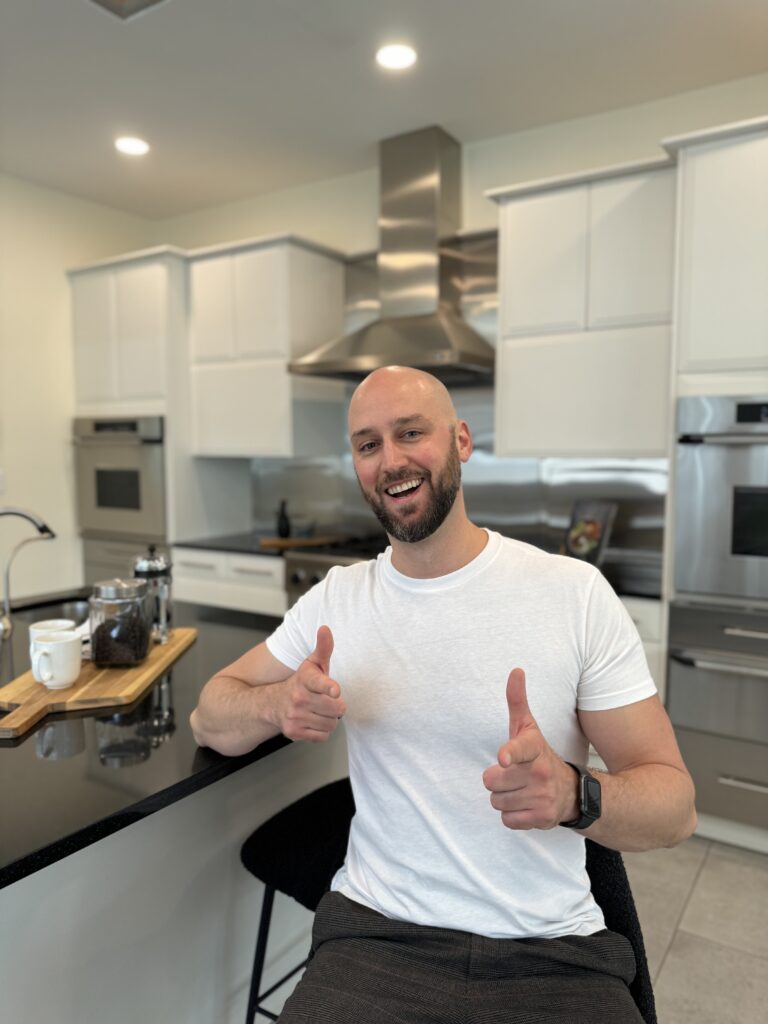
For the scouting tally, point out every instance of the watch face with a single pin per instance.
(590, 802)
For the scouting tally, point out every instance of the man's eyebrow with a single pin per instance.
(401, 421)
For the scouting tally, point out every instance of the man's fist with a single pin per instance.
(530, 784)
(312, 704)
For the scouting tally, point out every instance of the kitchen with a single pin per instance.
(52, 232)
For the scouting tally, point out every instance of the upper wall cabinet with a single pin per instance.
(252, 309)
(123, 315)
(590, 255)
(723, 250)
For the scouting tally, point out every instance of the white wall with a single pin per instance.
(42, 233)
(342, 212)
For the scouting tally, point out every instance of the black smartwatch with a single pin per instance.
(590, 806)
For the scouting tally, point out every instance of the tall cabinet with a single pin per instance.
(585, 287)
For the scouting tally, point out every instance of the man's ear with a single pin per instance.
(464, 441)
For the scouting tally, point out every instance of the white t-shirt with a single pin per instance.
(423, 667)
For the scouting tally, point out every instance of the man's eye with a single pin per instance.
(367, 446)
(412, 433)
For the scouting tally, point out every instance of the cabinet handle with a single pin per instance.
(750, 634)
(252, 572)
(720, 666)
(753, 787)
(197, 565)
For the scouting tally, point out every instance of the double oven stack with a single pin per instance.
(717, 685)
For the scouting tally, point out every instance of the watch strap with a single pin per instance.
(589, 810)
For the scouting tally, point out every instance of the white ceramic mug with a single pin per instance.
(56, 658)
(47, 626)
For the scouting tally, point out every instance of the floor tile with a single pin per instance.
(661, 882)
(729, 903)
(703, 982)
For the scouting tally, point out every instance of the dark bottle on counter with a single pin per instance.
(121, 622)
(283, 522)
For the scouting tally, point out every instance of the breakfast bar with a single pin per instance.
(120, 844)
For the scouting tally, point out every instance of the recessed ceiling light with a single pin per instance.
(132, 146)
(396, 56)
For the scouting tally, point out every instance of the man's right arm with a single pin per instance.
(257, 697)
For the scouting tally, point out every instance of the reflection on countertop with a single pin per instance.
(78, 777)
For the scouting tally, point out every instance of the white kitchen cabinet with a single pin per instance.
(543, 264)
(723, 251)
(249, 583)
(252, 309)
(589, 255)
(602, 393)
(122, 316)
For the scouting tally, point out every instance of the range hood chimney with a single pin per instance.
(420, 278)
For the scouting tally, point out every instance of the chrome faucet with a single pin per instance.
(44, 533)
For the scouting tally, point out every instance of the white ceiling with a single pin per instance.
(240, 97)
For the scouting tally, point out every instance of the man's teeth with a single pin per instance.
(406, 485)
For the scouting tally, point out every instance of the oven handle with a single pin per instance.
(723, 439)
(737, 783)
(112, 441)
(719, 666)
(748, 634)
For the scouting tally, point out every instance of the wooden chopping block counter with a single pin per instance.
(28, 701)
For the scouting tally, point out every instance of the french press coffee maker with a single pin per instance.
(156, 570)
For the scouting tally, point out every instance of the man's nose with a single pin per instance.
(393, 458)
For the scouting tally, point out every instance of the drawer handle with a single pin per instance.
(753, 787)
(197, 565)
(720, 666)
(252, 572)
(749, 634)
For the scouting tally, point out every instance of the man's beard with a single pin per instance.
(444, 491)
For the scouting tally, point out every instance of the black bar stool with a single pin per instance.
(298, 851)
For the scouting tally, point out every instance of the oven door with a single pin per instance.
(120, 488)
(721, 535)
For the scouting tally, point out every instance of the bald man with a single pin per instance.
(472, 672)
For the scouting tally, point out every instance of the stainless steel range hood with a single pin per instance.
(420, 274)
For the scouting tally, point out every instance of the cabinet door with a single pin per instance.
(262, 302)
(723, 272)
(212, 309)
(93, 314)
(543, 265)
(141, 299)
(588, 393)
(631, 248)
(242, 408)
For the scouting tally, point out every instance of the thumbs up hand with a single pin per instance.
(530, 785)
(311, 704)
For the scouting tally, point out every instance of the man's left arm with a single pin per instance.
(647, 793)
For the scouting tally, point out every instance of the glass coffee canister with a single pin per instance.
(121, 622)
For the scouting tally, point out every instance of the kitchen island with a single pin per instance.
(121, 875)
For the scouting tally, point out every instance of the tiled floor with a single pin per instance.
(703, 907)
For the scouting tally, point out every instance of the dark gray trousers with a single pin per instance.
(368, 968)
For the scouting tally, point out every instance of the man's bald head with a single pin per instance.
(390, 383)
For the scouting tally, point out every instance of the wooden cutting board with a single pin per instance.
(28, 701)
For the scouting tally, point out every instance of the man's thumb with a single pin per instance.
(321, 655)
(519, 713)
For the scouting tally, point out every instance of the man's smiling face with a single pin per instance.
(403, 435)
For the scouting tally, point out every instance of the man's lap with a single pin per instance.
(365, 967)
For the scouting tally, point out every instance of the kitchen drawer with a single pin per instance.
(191, 563)
(731, 776)
(260, 570)
(646, 615)
(249, 583)
(726, 698)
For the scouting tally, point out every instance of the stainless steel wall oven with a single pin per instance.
(717, 683)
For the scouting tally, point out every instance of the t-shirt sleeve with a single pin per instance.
(615, 669)
(294, 639)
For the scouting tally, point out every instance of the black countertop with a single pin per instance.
(235, 543)
(77, 778)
